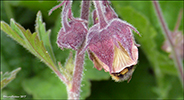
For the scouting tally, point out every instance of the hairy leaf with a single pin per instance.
(28, 40)
(44, 35)
(8, 77)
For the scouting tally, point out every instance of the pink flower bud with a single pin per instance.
(73, 33)
(111, 45)
(177, 39)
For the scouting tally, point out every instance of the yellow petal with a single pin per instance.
(122, 59)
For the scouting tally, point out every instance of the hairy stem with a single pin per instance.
(167, 34)
(74, 92)
(54, 8)
(101, 17)
(85, 10)
(65, 11)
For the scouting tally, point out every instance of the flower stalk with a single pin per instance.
(74, 92)
(102, 21)
(85, 10)
(65, 11)
(177, 58)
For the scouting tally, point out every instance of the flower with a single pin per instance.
(73, 33)
(110, 43)
(177, 39)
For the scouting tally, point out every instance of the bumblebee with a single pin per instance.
(125, 74)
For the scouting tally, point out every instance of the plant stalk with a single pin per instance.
(101, 17)
(177, 59)
(74, 92)
(85, 10)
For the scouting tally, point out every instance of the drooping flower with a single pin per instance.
(111, 43)
(73, 33)
(177, 39)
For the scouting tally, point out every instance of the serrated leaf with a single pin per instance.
(44, 35)
(28, 40)
(8, 30)
(8, 77)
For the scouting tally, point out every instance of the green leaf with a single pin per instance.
(8, 77)
(44, 35)
(8, 30)
(28, 40)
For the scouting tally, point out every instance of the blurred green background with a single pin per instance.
(155, 76)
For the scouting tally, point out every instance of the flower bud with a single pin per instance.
(73, 33)
(111, 45)
(177, 39)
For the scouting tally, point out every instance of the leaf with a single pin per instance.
(8, 30)
(44, 35)
(8, 77)
(14, 55)
(29, 41)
